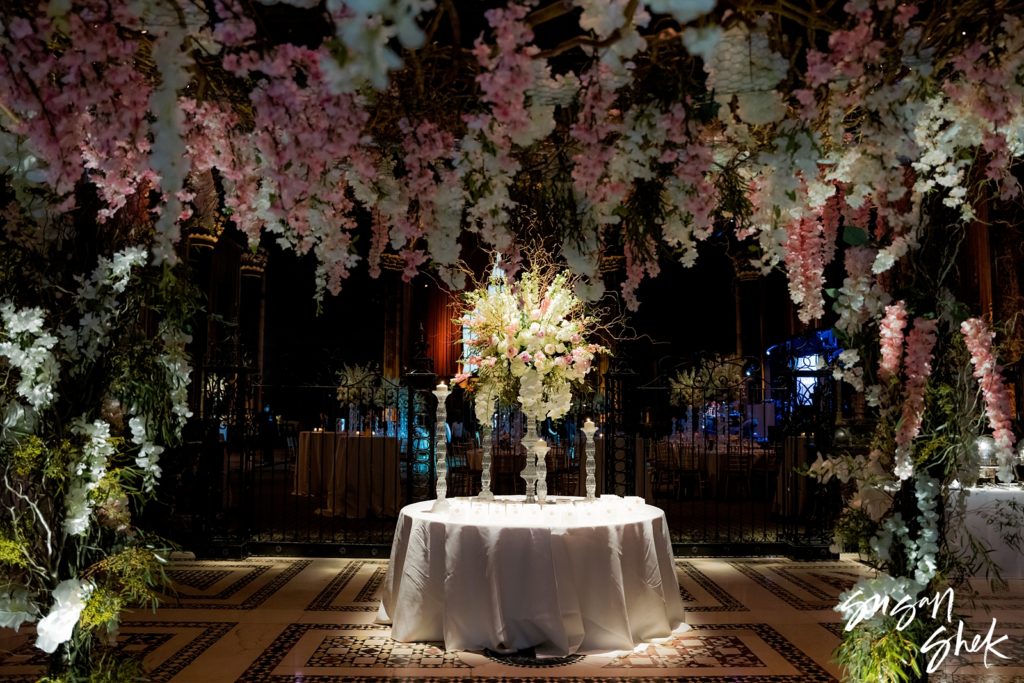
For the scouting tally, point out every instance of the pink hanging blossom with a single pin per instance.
(508, 71)
(987, 371)
(918, 362)
(594, 124)
(809, 245)
(83, 108)
(636, 268)
(890, 333)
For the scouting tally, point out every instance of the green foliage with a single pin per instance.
(103, 610)
(135, 575)
(59, 459)
(855, 528)
(877, 651)
(27, 456)
(12, 553)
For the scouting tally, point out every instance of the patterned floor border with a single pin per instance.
(184, 600)
(750, 569)
(808, 671)
(726, 603)
(212, 631)
(324, 601)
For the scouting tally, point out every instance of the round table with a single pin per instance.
(564, 577)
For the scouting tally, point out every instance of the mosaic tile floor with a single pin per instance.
(282, 620)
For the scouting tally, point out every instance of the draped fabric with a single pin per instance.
(570, 579)
(443, 333)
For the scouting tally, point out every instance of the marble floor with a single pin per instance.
(291, 619)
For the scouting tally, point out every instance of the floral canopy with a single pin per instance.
(625, 128)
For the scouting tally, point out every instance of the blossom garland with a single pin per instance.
(978, 338)
(918, 362)
(528, 341)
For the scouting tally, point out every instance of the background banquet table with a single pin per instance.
(987, 509)
(561, 578)
(353, 475)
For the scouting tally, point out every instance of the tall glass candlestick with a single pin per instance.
(541, 448)
(529, 473)
(589, 428)
(441, 450)
(485, 475)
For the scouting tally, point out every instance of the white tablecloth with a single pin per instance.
(986, 509)
(561, 578)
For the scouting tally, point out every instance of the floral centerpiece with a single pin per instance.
(527, 342)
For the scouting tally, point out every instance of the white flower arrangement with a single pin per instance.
(528, 342)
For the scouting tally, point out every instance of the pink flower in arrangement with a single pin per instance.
(891, 338)
(525, 357)
(511, 352)
(987, 371)
(461, 377)
(920, 342)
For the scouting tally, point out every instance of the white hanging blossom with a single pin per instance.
(176, 361)
(479, 163)
(149, 452)
(69, 598)
(168, 155)
(684, 11)
(743, 64)
(848, 368)
(365, 28)
(86, 473)
(26, 345)
(99, 305)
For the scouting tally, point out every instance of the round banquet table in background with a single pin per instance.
(561, 578)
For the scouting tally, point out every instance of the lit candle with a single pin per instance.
(442, 387)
